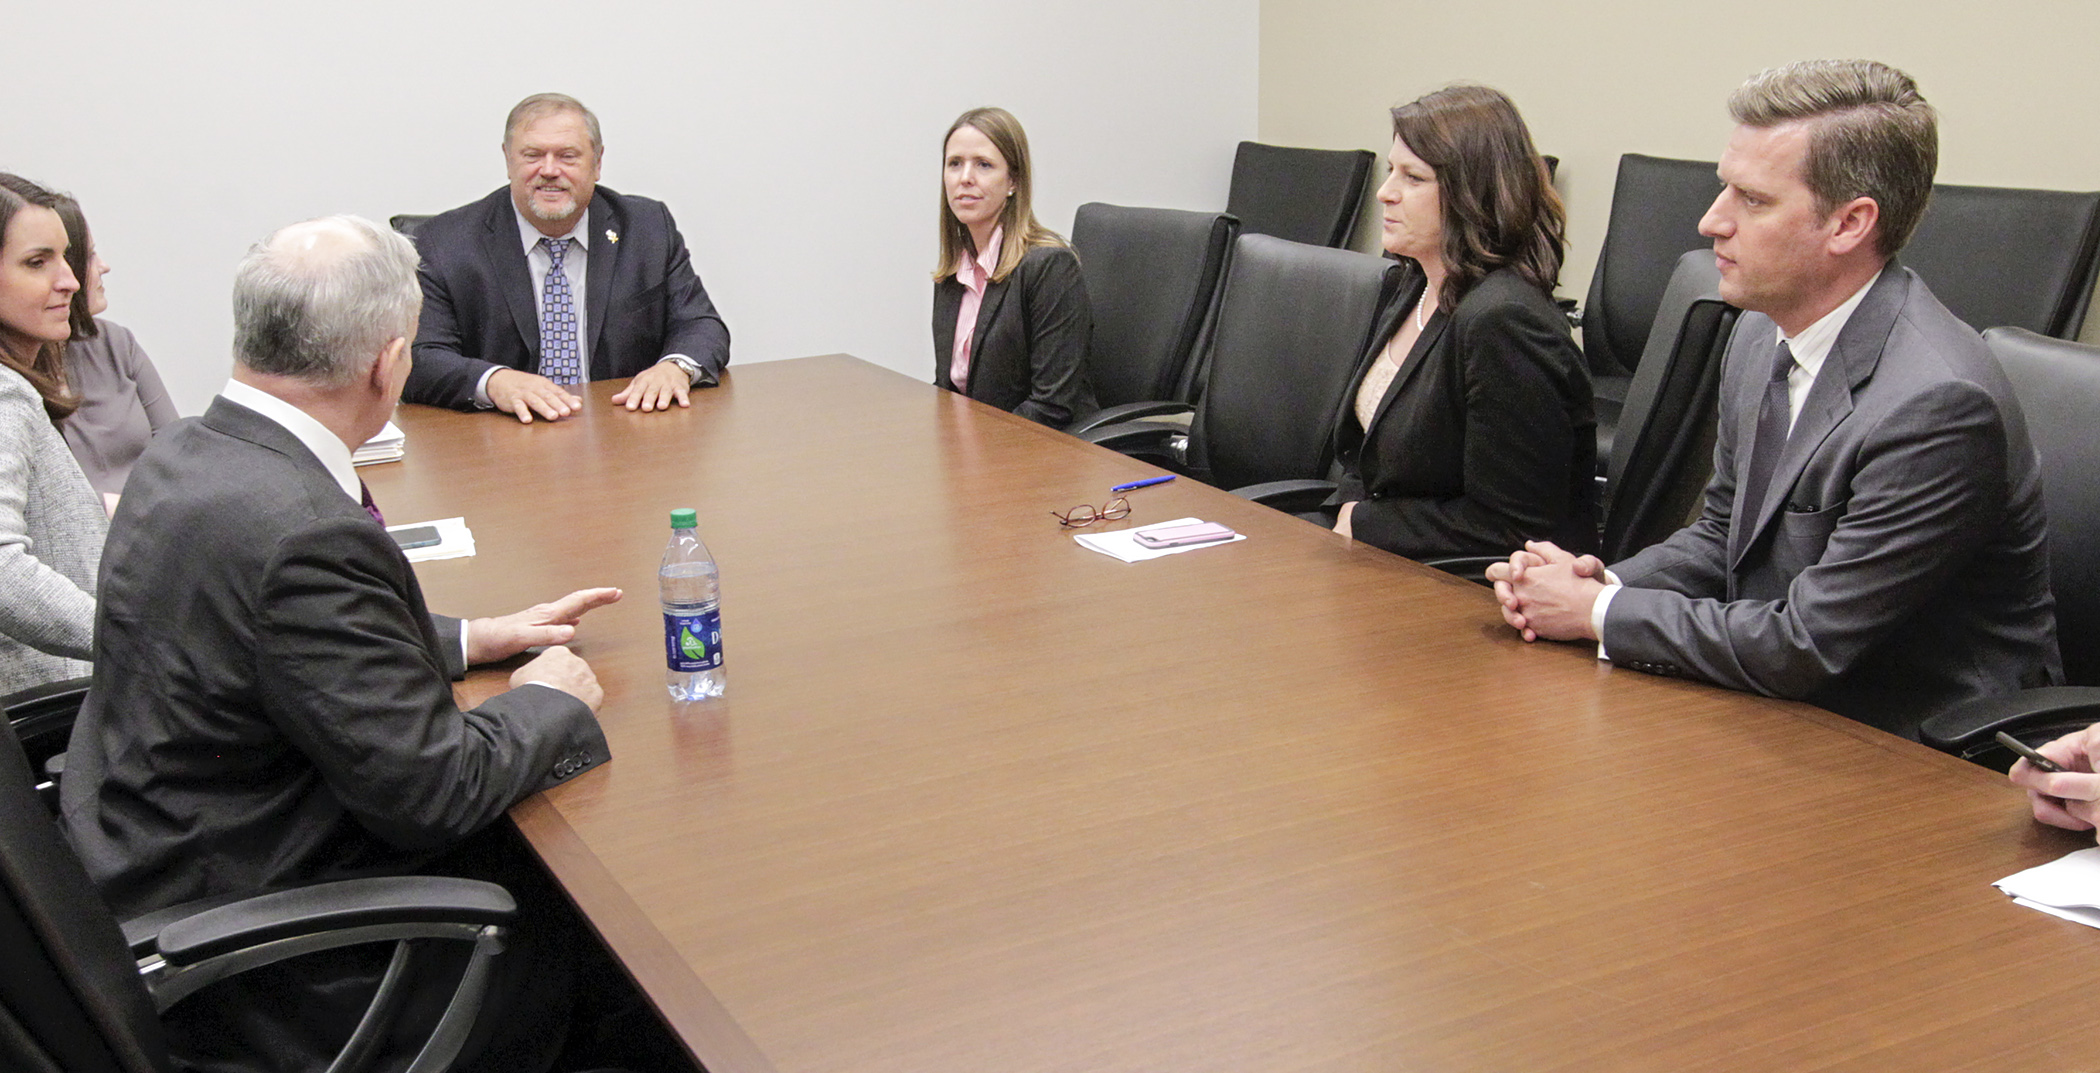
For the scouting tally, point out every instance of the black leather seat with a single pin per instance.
(1292, 323)
(2058, 384)
(1656, 205)
(83, 995)
(1152, 277)
(1312, 196)
(1663, 454)
(1999, 257)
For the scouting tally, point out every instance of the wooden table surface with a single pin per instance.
(981, 800)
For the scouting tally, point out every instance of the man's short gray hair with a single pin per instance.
(544, 104)
(317, 301)
(1870, 134)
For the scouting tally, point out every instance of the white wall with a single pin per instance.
(796, 140)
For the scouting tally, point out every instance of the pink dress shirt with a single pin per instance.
(973, 273)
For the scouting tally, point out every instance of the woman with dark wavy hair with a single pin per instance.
(51, 521)
(1469, 428)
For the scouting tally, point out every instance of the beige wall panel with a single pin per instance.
(2016, 83)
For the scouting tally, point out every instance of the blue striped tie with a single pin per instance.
(559, 360)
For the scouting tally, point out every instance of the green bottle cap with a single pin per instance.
(684, 518)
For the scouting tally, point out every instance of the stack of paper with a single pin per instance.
(389, 446)
(2068, 887)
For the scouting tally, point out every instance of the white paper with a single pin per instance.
(2068, 887)
(455, 540)
(389, 446)
(1122, 544)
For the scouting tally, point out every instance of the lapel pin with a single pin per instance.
(612, 235)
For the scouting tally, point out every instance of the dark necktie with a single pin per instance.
(1773, 419)
(559, 360)
(371, 508)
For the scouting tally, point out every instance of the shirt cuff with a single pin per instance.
(481, 388)
(1612, 585)
(693, 370)
(464, 625)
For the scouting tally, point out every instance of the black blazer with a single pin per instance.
(1484, 440)
(642, 299)
(1029, 351)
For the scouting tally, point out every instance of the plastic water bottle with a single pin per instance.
(690, 587)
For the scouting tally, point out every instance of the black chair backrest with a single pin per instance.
(2058, 384)
(1151, 276)
(1662, 455)
(1655, 210)
(1999, 257)
(1292, 323)
(70, 994)
(408, 222)
(1306, 195)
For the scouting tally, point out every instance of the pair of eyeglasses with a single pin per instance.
(1085, 514)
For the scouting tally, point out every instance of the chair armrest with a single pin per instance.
(1471, 567)
(1291, 497)
(1129, 411)
(1165, 446)
(1129, 434)
(336, 906)
(43, 716)
(1969, 729)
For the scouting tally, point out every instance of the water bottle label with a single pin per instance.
(693, 642)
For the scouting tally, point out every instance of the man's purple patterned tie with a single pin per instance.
(559, 360)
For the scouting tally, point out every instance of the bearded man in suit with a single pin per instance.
(556, 280)
(1872, 540)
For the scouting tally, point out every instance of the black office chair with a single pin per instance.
(1999, 257)
(1305, 195)
(1663, 454)
(1152, 278)
(408, 222)
(1292, 323)
(2058, 384)
(1656, 205)
(83, 995)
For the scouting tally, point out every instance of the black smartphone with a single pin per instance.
(415, 536)
(2032, 757)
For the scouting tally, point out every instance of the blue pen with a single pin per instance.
(1146, 483)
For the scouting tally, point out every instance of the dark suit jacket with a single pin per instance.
(271, 702)
(1897, 562)
(1486, 437)
(1028, 354)
(642, 299)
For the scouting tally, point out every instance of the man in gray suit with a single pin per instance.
(1872, 538)
(271, 703)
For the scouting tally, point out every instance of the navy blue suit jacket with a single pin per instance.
(642, 299)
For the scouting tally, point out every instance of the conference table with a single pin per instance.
(980, 799)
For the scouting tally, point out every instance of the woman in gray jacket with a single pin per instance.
(51, 520)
